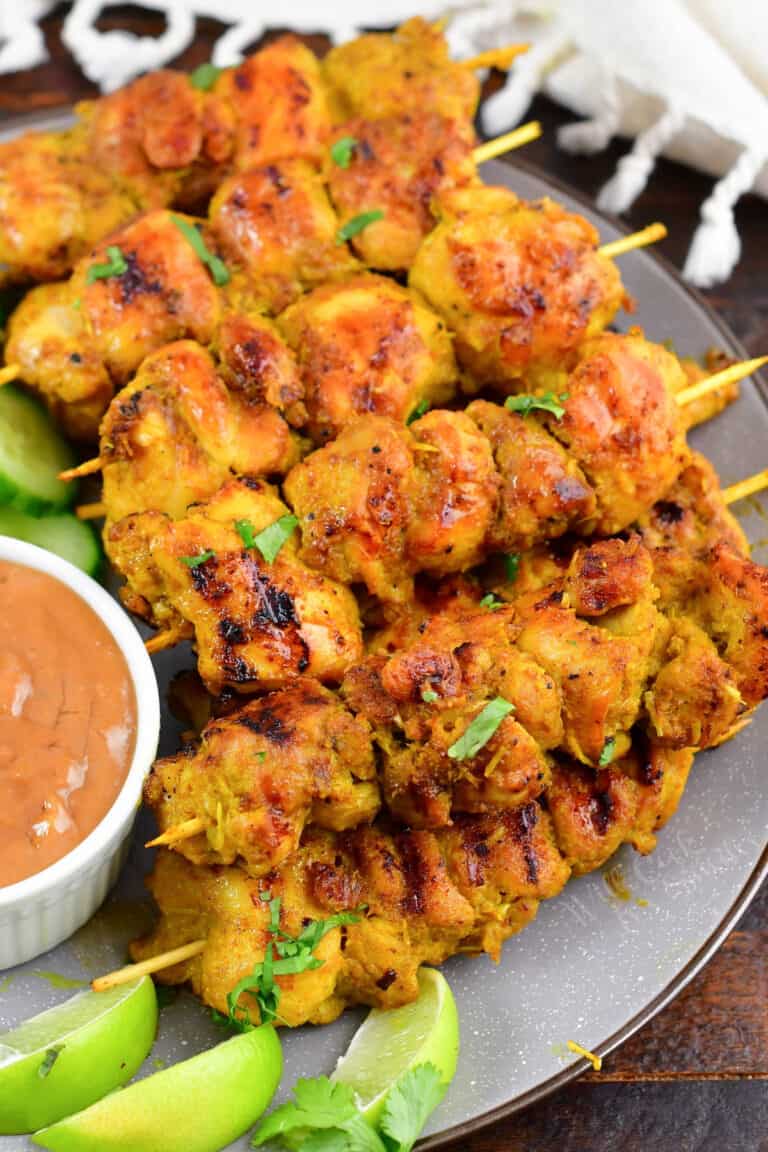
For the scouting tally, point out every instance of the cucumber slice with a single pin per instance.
(32, 453)
(65, 535)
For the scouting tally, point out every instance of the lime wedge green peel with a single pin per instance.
(200, 1105)
(387, 1045)
(73, 1054)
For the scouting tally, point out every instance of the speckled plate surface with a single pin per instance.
(591, 968)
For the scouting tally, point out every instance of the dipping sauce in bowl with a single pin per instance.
(67, 721)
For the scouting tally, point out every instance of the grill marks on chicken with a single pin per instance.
(256, 625)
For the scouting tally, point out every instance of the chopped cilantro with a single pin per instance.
(512, 565)
(217, 268)
(606, 756)
(115, 265)
(428, 695)
(196, 561)
(261, 757)
(491, 602)
(205, 76)
(77, 304)
(323, 1116)
(418, 412)
(271, 539)
(547, 402)
(284, 955)
(48, 1061)
(357, 224)
(480, 730)
(341, 151)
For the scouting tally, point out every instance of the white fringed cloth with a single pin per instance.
(686, 79)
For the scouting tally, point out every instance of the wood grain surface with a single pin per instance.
(696, 1078)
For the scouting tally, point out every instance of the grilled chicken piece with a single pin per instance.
(176, 433)
(54, 204)
(382, 501)
(257, 625)
(400, 166)
(264, 772)
(277, 223)
(544, 492)
(522, 286)
(422, 896)
(595, 812)
(622, 426)
(77, 341)
(367, 345)
(381, 75)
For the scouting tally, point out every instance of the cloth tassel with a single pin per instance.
(633, 170)
(590, 136)
(716, 246)
(111, 59)
(509, 105)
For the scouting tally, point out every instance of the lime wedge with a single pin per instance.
(388, 1044)
(73, 1054)
(200, 1105)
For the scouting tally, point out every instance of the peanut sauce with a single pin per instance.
(67, 721)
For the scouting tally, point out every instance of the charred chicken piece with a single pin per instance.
(257, 624)
(264, 772)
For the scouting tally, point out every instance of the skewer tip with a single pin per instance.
(730, 375)
(178, 832)
(649, 235)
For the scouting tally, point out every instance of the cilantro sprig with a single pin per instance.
(115, 265)
(479, 732)
(491, 602)
(421, 408)
(285, 955)
(606, 756)
(547, 402)
(358, 224)
(341, 151)
(217, 268)
(271, 539)
(428, 695)
(200, 558)
(323, 1116)
(205, 76)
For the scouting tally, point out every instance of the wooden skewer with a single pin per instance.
(746, 487)
(525, 134)
(501, 58)
(635, 240)
(178, 832)
(11, 372)
(168, 638)
(146, 967)
(87, 468)
(730, 375)
(91, 511)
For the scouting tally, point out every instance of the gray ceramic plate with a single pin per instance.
(591, 968)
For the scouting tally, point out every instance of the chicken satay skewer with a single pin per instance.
(146, 967)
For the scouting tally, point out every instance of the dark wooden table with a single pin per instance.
(696, 1078)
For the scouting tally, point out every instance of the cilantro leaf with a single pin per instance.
(547, 402)
(491, 602)
(318, 1104)
(115, 265)
(357, 224)
(428, 695)
(480, 730)
(606, 756)
(512, 565)
(48, 1061)
(271, 539)
(196, 561)
(341, 151)
(418, 412)
(205, 76)
(217, 268)
(410, 1104)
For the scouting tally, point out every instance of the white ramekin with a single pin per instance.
(41, 911)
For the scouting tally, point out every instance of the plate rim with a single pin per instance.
(759, 873)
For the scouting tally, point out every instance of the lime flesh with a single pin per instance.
(73, 1054)
(388, 1044)
(200, 1105)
